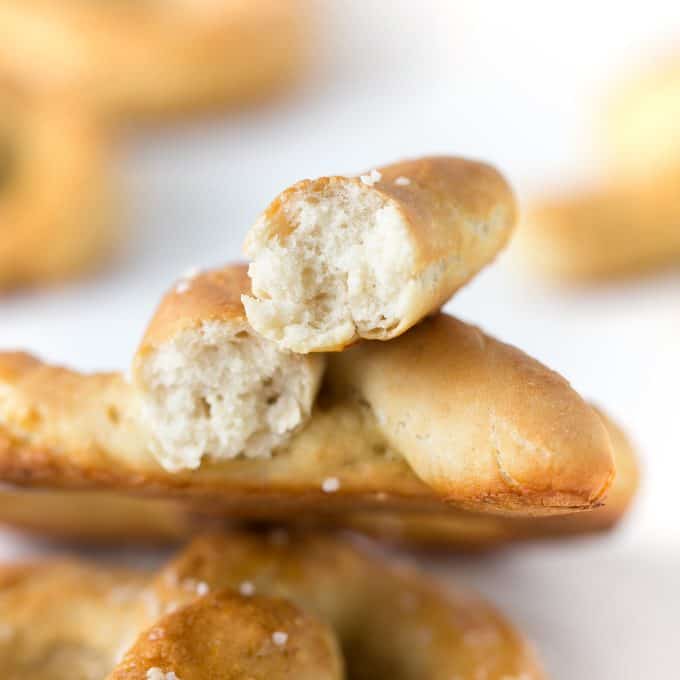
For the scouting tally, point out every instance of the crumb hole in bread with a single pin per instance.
(203, 407)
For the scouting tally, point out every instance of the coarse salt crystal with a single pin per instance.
(330, 485)
(247, 589)
(190, 273)
(157, 674)
(202, 588)
(279, 638)
(182, 287)
(156, 634)
(402, 181)
(371, 178)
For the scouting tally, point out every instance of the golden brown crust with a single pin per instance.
(54, 196)
(614, 230)
(474, 531)
(479, 421)
(225, 636)
(391, 622)
(444, 195)
(62, 429)
(208, 296)
(154, 59)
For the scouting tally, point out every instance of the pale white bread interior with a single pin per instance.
(341, 258)
(210, 386)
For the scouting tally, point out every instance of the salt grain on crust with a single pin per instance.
(330, 485)
(158, 674)
(156, 634)
(279, 638)
(191, 273)
(247, 589)
(371, 178)
(402, 181)
(202, 588)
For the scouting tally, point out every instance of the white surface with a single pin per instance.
(514, 83)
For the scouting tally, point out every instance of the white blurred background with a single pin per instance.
(516, 84)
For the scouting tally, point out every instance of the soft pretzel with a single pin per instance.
(252, 606)
(341, 258)
(208, 384)
(103, 517)
(525, 442)
(628, 222)
(154, 58)
(390, 621)
(478, 531)
(612, 230)
(225, 636)
(54, 196)
(476, 418)
(66, 620)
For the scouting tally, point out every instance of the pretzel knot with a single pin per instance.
(255, 606)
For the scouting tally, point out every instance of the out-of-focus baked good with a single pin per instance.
(55, 194)
(605, 232)
(152, 59)
(627, 222)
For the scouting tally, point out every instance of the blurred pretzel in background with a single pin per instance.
(629, 223)
(69, 69)
(56, 203)
(154, 59)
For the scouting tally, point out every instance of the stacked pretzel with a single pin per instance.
(319, 387)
